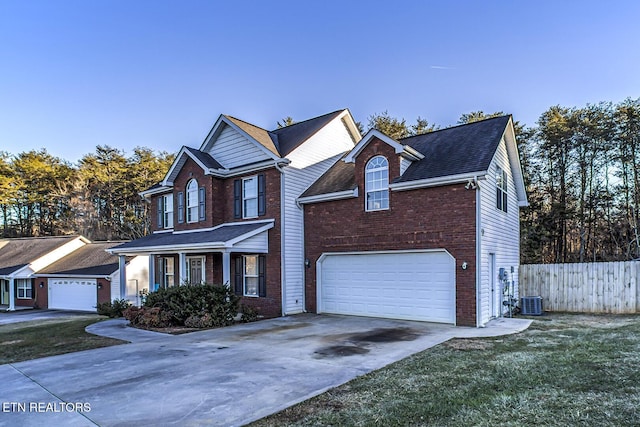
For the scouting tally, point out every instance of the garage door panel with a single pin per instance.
(73, 294)
(404, 285)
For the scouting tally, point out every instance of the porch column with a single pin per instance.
(183, 268)
(226, 269)
(152, 273)
(12, 294)
(122, 267)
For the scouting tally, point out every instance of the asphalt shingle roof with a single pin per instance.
(221, 234)
(90, 260)
(457, 150)
(19, 252)
(205, 158)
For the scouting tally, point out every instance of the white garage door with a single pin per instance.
(397, 285)
(73, 294)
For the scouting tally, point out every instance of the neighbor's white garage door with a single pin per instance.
(397, 285)
(73, 294)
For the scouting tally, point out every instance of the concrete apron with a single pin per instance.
(227, 376)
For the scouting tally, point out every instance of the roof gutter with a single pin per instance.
(338, 195)
(434, 182)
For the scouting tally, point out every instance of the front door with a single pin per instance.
(195, 271)
(4, 291)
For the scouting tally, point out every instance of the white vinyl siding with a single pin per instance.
(308, 162)
(231, 149)
(500, 233)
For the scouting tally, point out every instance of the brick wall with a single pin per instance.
(432, 218)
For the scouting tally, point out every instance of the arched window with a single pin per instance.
(377, 184)
(192, 201)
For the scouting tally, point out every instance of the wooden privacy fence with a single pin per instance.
(598, 287)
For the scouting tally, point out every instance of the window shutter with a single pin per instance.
(237, 198)
(161, 212)
(201, 205)
(262, 200)
(239, 270)
(33, 288)
(262, 283)
(181, 207)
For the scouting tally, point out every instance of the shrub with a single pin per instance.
(113, 309)
(206, 305)
(148, 317)
(249, 314)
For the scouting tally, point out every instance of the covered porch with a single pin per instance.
(198, 256)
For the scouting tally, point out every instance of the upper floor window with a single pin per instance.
(501, 189)
(377, 184)
(195, 206)
(249, 197)
(192, 201)
(165, 211)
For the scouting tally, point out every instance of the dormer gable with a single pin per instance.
(404, 151)
(204, 160)
(233, 143)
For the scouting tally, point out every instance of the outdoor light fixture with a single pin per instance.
(100, 286)
(307, 263)
(42, 284)
(464, 265)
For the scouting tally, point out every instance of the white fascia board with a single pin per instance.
(255, 167)
(509, 136)
(403, 150)
(338, 195)
(351, 124)
(248, 235)
(434, 182)
(73, 276)
(151, 192)
(183, 151)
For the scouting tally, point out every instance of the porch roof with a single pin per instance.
(233, 236)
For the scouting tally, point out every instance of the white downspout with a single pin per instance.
(283, 286)
(478, 254)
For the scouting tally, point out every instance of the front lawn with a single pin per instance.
(41, 338)
(565, 370)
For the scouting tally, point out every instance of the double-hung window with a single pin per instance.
(24, 288)
(167, 211)
(192, 201)
(250, 276)
(377, 184)
(250, 197)
(501, 189)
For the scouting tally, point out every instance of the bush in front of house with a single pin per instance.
(113, 308)
(195, 306)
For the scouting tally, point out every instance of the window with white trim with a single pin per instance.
(501, 189)
(377, 184)
(250, 197)
(168, 272)
(192, 201)
(24, 288)
(250, 276)
(167, 210)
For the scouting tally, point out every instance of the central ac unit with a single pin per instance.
(531, 306)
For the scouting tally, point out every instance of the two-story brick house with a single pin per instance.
(227, 212)
(314, 217)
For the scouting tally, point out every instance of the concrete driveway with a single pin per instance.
(32, 314)
(228, 376)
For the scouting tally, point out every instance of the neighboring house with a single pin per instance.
(313, 217)
(422, 228)
(22, 257)
(226, 213)
(68, 272)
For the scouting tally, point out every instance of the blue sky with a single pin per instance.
(127, 73)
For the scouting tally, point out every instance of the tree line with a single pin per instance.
(581, 167)
(43, 195)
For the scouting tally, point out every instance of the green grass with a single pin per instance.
(31, 340)
(566, 370)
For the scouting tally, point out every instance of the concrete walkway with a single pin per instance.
(227, 376)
